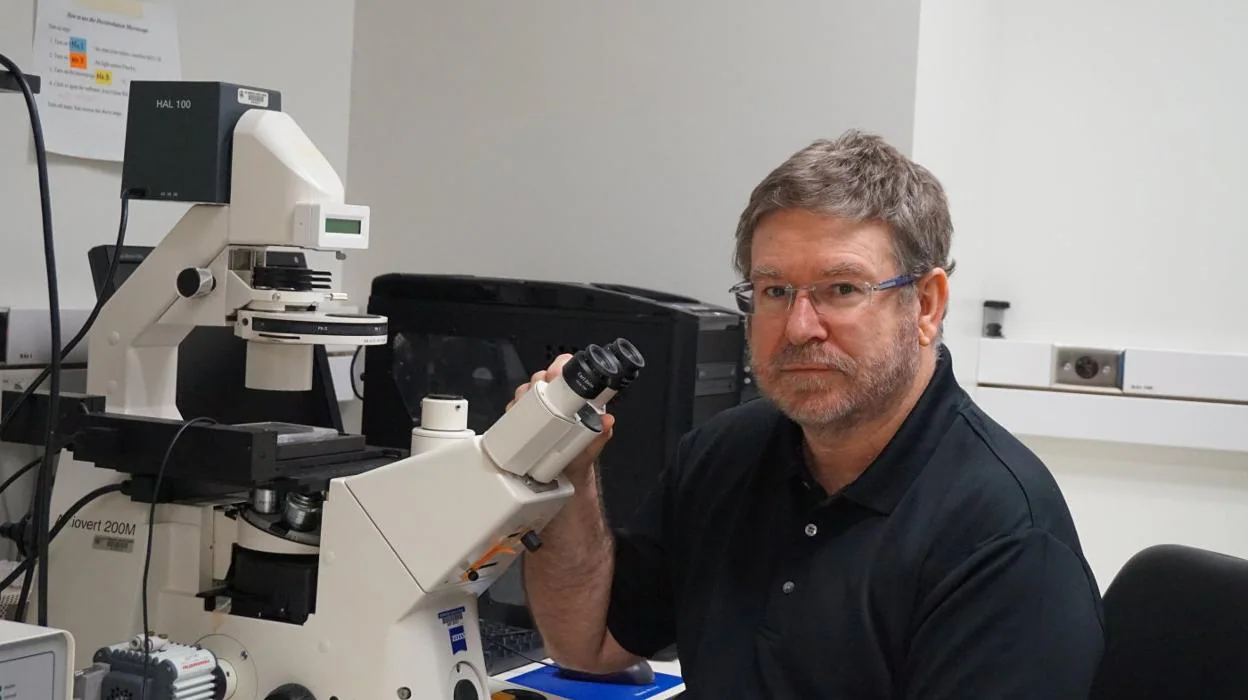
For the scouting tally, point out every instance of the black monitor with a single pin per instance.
(212, 365)
(480, 338)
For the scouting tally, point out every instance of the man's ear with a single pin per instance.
(933, 289)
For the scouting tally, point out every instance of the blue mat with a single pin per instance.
(544, 680)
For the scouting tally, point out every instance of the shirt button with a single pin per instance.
(788, 587)
(811, 530)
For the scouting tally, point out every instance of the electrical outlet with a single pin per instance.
(1097, 368)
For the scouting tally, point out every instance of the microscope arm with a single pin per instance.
(212, 269)
(458, 514)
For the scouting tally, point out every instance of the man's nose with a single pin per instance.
(804, 323)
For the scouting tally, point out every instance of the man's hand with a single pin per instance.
(578, 468)
(568, 581)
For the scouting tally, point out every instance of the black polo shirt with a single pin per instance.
(949, 569)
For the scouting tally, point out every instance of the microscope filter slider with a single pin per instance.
(311, 327)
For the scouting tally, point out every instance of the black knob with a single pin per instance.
(290, 691)
(195, 282)
(531, 541)
(590, 418)
(465, 690)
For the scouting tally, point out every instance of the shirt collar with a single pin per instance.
(884, 483)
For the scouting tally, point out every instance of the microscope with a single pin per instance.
(276, 561)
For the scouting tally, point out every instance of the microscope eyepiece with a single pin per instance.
(604, 361)
(590, 371)
(630, 361)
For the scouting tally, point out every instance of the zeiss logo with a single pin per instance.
(459, 642)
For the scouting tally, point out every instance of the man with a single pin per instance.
(864, 531)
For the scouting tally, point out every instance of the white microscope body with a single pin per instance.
(402, 550)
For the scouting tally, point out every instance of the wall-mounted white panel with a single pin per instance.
(1205, 376)
(1014, 363)
(1121, 419)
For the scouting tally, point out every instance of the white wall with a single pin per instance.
(953, 122)
(602, 141)
(299, 47)
(1120, 135)
(1097, 163)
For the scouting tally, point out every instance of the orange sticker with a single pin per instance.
(498, 550)
(78, 60)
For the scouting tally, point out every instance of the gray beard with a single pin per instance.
(863, 392)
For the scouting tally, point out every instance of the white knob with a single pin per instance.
(443, 412)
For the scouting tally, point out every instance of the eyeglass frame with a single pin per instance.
(739, 289)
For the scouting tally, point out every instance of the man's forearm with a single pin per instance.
(568, 580)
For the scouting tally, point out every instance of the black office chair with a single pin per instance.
(1176, 623)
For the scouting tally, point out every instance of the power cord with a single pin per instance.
(60, 525)
(515, 652)
(43, 375)
(18, 532)
(86, 326)
(18, 474)
(24, 598)
(43, 487)
(151, 522)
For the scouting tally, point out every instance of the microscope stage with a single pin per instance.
(244, 456)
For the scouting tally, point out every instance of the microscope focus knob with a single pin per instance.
(195, 282)
(465, 690)
(290, 691)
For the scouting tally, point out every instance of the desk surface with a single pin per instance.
(668, 667)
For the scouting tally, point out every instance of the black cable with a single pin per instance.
(86, 326)
(54, 313)
(43, 375)
(354, 357)
(24, 598)
(24, 545)
(43, 538)
(26, 581)
(60, 525)
(18, 474)
(151, 524)
(17, 571)
(494, 641)
(26, 551)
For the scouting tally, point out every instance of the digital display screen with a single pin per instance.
(342, 226)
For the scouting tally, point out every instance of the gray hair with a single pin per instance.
(858, 177)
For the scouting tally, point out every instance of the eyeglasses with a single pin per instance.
(828, 298)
